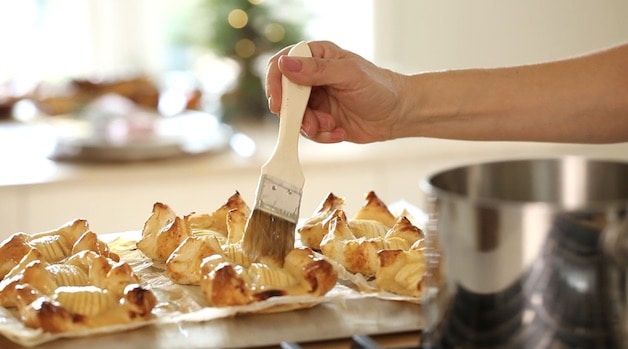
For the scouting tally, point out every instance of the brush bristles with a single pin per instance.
(268, 236)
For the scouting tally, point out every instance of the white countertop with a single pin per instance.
(40, 194)
(24, 149)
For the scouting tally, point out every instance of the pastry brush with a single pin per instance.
(271, 227)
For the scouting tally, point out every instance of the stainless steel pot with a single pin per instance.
(531, 254)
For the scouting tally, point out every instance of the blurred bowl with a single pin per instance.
(533, 253)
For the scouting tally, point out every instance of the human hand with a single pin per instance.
(351, 100)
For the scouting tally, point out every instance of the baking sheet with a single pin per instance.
(327, 321)
(342, 312)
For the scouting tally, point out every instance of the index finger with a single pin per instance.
(273, 81)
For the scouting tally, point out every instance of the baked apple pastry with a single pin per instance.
(54, 245)
(374, 243)
(67, 279)
(205, 250)
(225, 282)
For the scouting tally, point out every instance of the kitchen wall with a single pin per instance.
(408, 35)
(413, 36)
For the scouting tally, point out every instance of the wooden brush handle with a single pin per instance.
(284, 162)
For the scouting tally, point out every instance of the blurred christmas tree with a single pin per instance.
(245, 31)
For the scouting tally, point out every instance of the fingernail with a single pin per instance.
(304, 130)
(291, 63)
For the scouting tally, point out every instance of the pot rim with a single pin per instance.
(434, 191)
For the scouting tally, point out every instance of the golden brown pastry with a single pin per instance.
(315, 227)
(54, 245)
(225, 283)
(89, 241)
(375, 209)
(375, 243)
(12, 250)
(67, 279)
(85, 290)
(140, 89)
(163, 232)
(183, 265)
(402, 271)
(211, 256)
(357, 255)
(29, 265)
(367, 228)
(217, 221)
(83, 307)
(372, 220)
(72, 96)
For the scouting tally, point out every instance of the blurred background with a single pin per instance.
(107, 106)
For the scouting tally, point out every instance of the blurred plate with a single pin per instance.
(189, 133)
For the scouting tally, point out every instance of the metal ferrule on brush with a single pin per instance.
(278, 198)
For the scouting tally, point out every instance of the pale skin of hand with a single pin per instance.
(581, 99)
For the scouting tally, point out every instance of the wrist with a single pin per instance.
(411, 102)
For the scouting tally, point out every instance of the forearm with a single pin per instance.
(583, 100)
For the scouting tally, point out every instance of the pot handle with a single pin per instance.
(616, 243)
